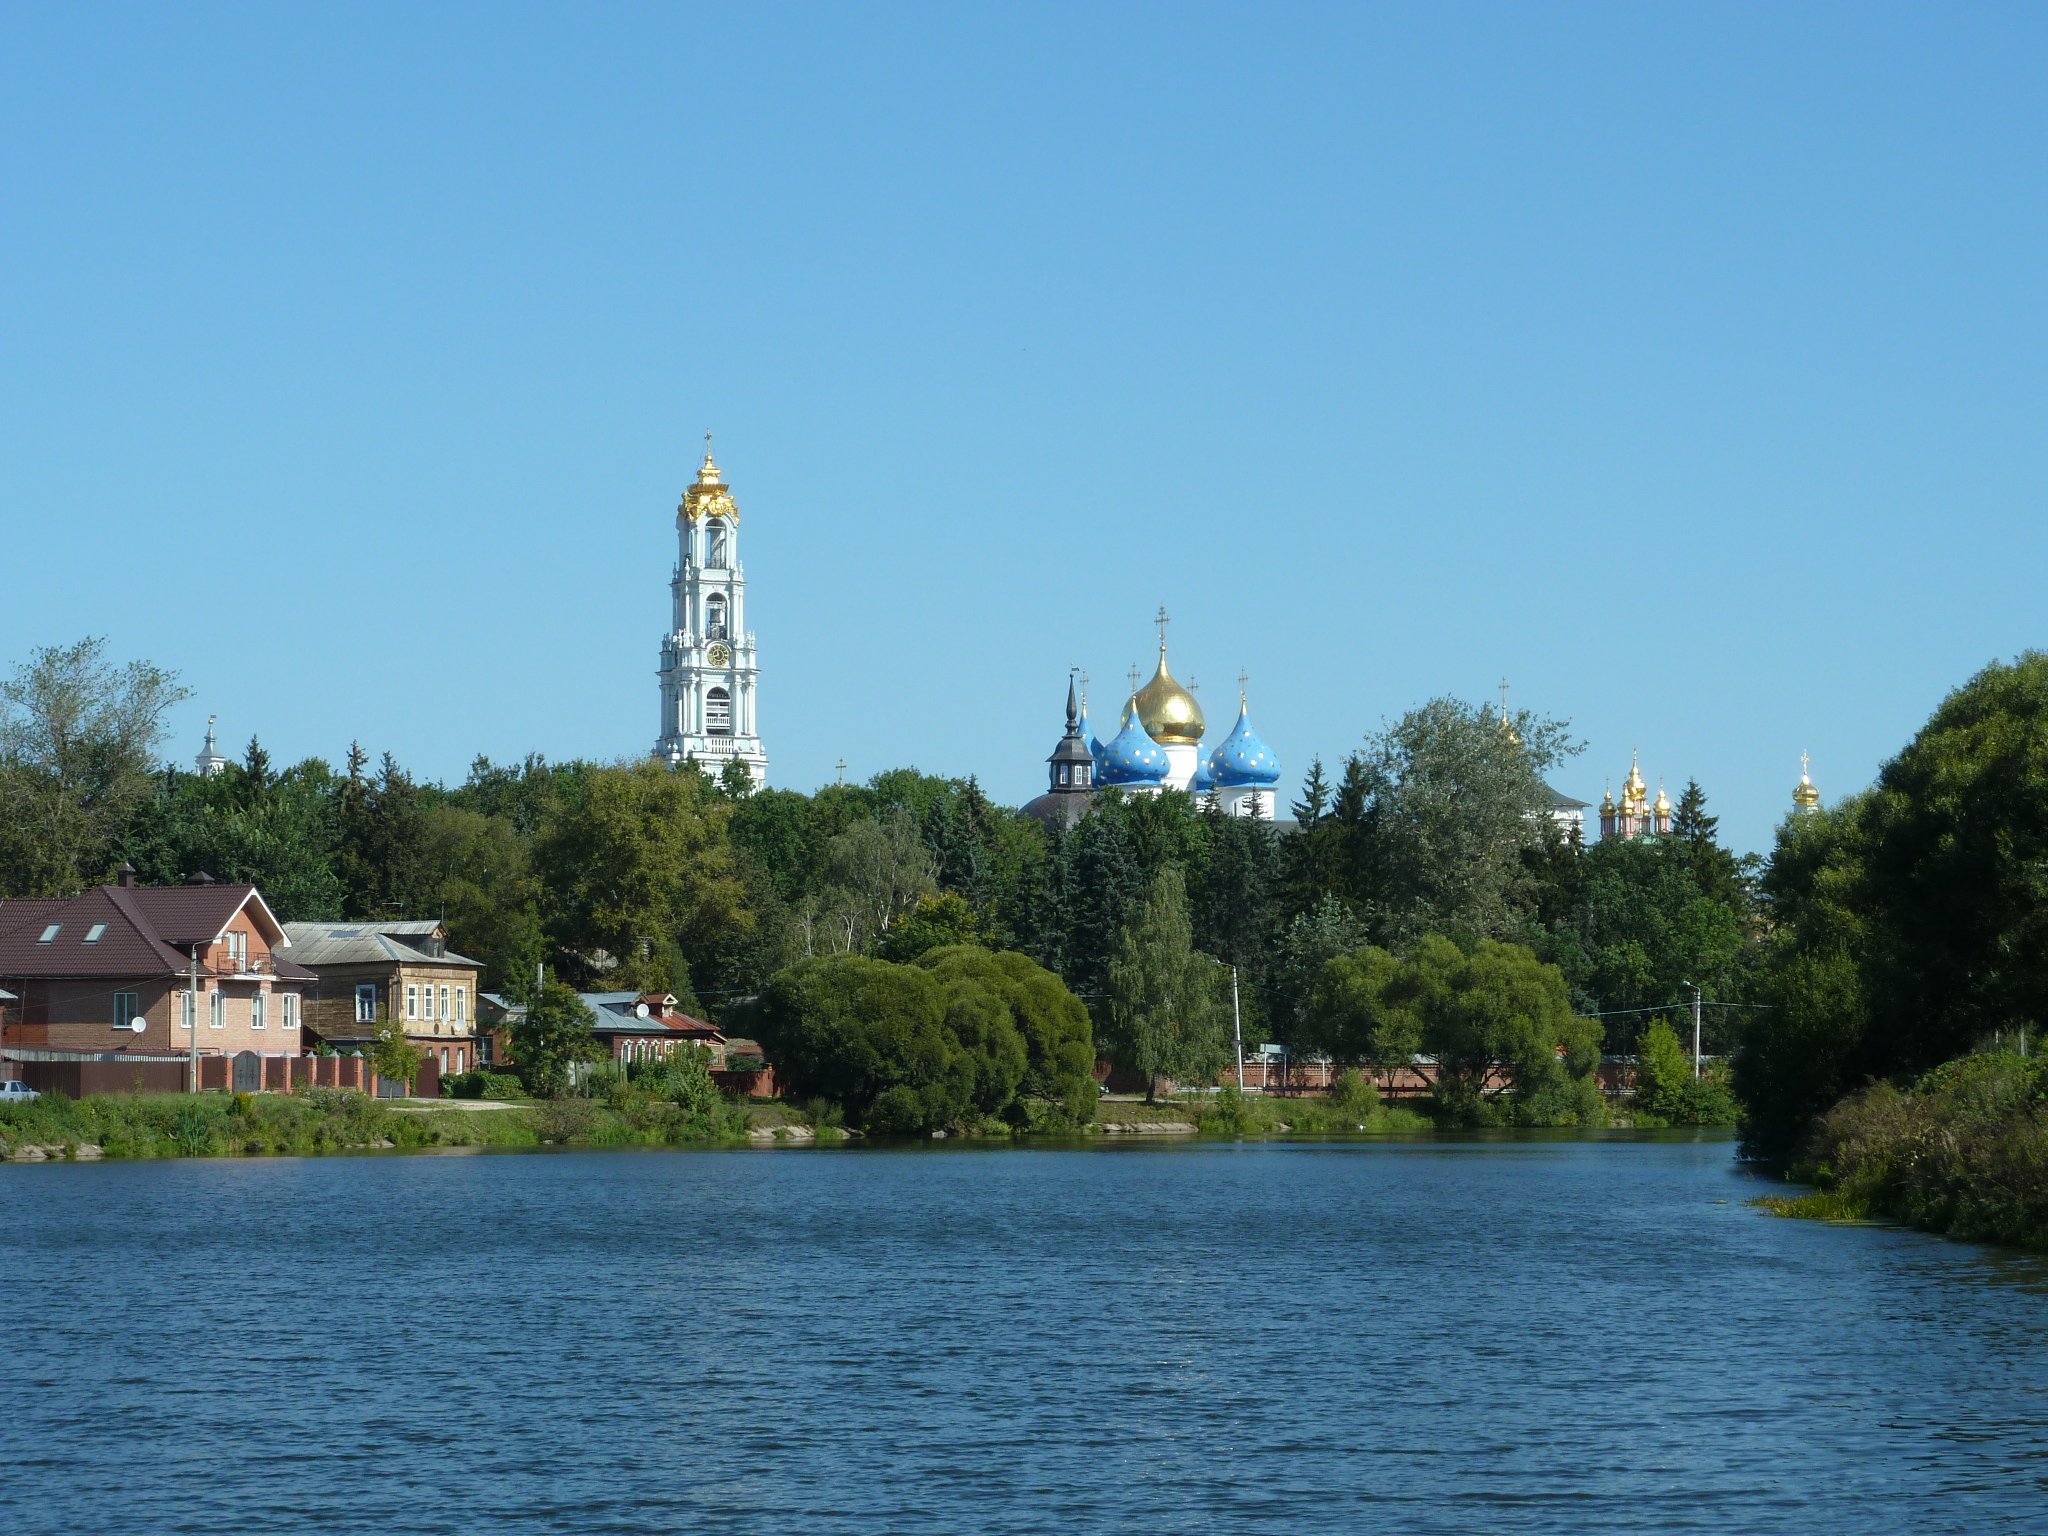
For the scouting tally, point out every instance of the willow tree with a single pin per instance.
(1165, 996)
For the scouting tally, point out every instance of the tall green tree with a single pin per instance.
(1309, 943)
(78, 744)
(639, 879)
(381, 832)
(1165, 1002)
(275, 831)
(552, 1038)
(1437, 810)
(1312, 860)
(1496, 1020)
(1912, 922)
(489, 894)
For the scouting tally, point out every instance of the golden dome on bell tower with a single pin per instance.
(1804, 795)
(708, 495)
(1168, 711)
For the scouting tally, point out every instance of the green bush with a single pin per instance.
(1058, 1035)
(948, 1042)
(1963, 1152)
(482, 1084)
(1665, 1090)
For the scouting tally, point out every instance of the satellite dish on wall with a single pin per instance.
(138, 1024)
(639, 1010)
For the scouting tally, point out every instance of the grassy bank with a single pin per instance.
(1963, 1152)
(251, 1125)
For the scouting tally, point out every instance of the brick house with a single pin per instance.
(369, 972)
(631, 1026)
(640, 1026)
(127, 970)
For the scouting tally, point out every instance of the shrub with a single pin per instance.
(908, 1048)
(1963, 1152)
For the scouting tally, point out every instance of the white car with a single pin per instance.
(17, 1092)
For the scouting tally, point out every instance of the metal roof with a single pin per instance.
(368, 943)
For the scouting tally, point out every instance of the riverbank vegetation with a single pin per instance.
(1167, 923)
(1907, 977)
(1963, 1152)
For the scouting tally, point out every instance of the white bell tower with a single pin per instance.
(707, 659)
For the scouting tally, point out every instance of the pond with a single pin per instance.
(1526, 1333)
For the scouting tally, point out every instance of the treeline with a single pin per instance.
(1432, 840)
(1910, 929)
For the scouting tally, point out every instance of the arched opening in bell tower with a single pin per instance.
(718, 713)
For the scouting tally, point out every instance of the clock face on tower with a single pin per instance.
(719, 655)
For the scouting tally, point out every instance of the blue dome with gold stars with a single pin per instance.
(1243, 758)
(1133, 757)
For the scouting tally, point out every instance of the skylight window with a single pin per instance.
(49, 933)
(92, 934)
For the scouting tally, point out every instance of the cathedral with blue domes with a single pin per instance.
(1158, 747)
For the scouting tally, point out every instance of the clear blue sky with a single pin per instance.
(1683, 364)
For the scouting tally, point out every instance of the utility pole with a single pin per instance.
(192, 1017)
(1237, 1028)
(1695, 1029)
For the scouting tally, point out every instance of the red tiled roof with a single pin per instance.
(192, 914)
(128, 945)
(18, 911)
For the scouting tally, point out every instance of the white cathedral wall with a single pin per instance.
(1181, 762)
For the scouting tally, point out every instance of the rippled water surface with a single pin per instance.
(1530, 1335)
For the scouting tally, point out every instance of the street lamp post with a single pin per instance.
(1237, 1028)
(1695, 1027)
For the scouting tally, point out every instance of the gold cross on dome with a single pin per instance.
(1242, 679)
(1162, 621)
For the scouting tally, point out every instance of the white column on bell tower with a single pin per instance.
(708, 672)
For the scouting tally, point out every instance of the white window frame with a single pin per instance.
(412, 1003)
(259, 1015)
(444, 1004)
(188, 1011)
(92, 934)
(427, 1003)
(289, 1013)
(217, 1017)
(461, 1005)
(127, 1006)
(366, 993)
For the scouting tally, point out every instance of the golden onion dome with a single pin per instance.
(1804, 795)
(1633, 790)
(1168, 711)
(1607, 801)
(1663, 805)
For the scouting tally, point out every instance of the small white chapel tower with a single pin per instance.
(707, 659)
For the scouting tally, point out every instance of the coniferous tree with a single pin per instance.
(1311, 859)
(1109, 887)
(1234, 908)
